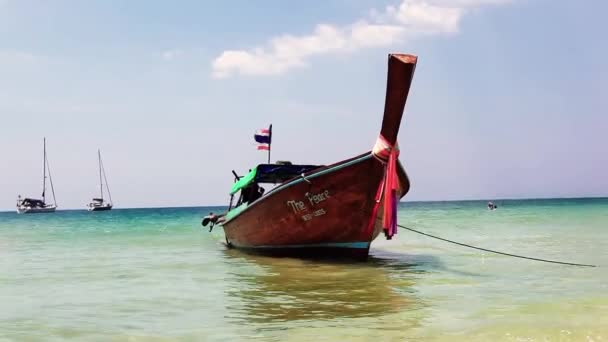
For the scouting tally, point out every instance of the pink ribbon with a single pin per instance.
(388, 154)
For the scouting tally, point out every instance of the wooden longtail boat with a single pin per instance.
(325, 211)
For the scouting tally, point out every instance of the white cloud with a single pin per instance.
(422, 17)
(411, 18)
(172, 54)
(363, 34)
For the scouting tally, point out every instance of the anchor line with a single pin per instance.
(496, 252)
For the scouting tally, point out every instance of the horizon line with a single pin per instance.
(401, 201)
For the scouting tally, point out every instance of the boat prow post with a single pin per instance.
(400, 74)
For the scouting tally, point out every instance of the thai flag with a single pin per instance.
(263, 137)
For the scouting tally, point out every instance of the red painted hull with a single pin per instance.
(327, 213)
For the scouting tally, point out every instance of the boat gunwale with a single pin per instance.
(313, 174)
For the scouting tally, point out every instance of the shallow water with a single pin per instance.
(156, 274)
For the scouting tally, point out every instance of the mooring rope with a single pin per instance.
(496, 252)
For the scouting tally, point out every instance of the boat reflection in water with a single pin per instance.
(285, 289)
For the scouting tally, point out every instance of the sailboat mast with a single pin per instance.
(44, 170)
(100, 179)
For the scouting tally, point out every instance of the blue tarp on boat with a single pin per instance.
(271, 173)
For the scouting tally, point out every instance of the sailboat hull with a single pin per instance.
(25, 210)
(331, 212)
(101, 208)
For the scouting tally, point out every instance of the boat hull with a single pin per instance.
(357, 251)
(330, 212)
(50, 209)
(100, 208)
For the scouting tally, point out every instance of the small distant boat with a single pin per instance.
(32, 205)
(98, 203)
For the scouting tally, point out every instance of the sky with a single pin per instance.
(508, 100)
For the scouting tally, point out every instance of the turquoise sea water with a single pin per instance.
(157, 275)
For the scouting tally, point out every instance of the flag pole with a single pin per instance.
(269, 141)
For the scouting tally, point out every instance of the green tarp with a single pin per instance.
(244, 181)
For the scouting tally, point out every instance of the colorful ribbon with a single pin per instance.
(388, 154)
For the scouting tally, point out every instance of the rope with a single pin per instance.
(48, 166)
(103, 170)
(497, 252)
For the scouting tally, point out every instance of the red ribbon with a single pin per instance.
(388, 153)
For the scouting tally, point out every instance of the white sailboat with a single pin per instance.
(31, 205)
(99, 204)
